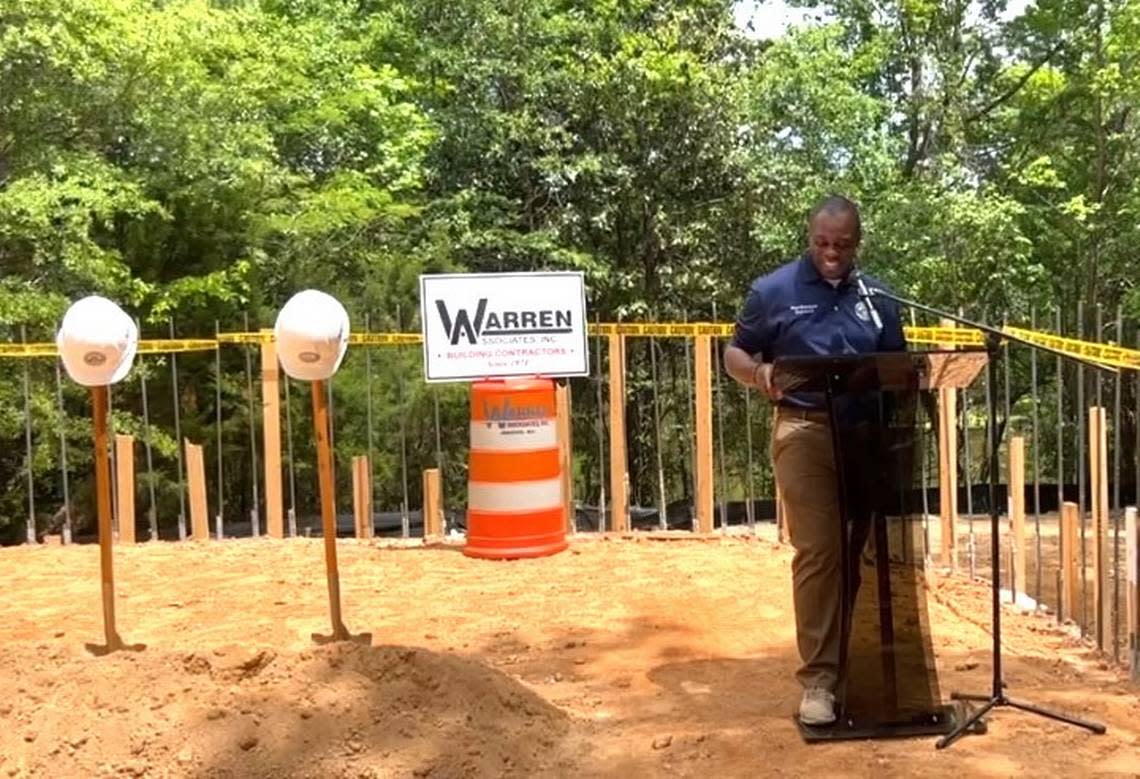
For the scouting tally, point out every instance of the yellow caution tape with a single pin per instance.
(260, 337)
(361, 339)
(1104, 354)
(28, 350)
(950, 336)
(385, 339)
(1109, 355)
(183, 345)
(660, 329)
(145, 347)
(947, 336)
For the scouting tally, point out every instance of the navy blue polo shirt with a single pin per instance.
(793, 311)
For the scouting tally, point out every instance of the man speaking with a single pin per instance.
(812, 305)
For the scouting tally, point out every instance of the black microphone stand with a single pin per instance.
(997, 697)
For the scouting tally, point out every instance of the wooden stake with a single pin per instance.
(619, 493)
(1132, 591)
(357, 522)
(196, 480)
(328, 507)
(99, 405)
(1094, 505)
(125, 478)
(1017, 511)
(565, 450)
(1070, 550)
(433, 504)
(1099, 482)
(948, 474)
(366, 509)
(948, 467)
(362, 496)
(271, 439)
(704, 434)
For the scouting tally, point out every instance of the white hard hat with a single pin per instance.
(312, 335)
(97, 342)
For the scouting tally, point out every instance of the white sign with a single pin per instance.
(483, 325)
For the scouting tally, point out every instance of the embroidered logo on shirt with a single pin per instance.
(804, 308)
(862, 312)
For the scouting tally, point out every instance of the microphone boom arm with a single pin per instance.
(992, 334)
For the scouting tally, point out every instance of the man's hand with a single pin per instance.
(750, 372)
(762, 378)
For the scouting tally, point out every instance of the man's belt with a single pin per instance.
(809, 414)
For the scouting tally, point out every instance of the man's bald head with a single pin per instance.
(837, 205)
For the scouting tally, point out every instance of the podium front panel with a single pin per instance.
(890, 671)
(877, 403)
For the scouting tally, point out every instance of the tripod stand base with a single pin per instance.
(945, 719)
(992, 702)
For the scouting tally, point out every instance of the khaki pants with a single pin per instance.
(805, 472)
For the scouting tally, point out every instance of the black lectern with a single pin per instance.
(888, 682)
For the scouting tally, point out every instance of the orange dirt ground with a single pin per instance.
(624, 658)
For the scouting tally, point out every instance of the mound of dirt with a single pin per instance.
(337, 710)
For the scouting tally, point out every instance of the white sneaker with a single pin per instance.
(817, 707)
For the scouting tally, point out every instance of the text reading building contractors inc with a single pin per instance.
(500, 325)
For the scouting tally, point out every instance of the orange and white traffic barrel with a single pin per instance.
(514, 477)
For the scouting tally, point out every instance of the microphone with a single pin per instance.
(865, 295)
